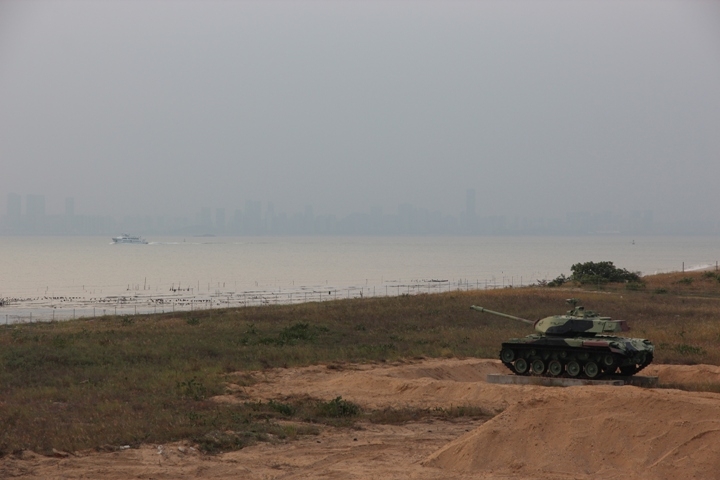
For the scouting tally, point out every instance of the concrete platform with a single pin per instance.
(637, 381)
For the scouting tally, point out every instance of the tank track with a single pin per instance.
(600, 358)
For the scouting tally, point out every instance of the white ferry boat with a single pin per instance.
(125, 238)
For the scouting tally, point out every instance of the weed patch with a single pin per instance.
(193, 389)
(684, 349)
(294, 334)
(337, 408)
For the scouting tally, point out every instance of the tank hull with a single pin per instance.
(583, 357)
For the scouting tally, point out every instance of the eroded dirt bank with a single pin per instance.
(539, 432)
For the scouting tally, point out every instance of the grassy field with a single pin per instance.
(112, 381)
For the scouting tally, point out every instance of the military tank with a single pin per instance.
(580, 343)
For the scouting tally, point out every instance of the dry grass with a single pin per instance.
(147, 378)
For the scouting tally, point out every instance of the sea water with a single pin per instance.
(52, 275)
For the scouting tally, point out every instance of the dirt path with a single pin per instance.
(540, 432)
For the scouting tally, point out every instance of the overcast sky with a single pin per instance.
(543, 107)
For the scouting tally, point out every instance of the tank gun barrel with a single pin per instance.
(481, 309)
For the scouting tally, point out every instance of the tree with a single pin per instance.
(601, 272)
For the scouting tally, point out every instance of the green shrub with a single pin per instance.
(282, 408)
(714, 275)
(192, 389)
(338, 408)
(558, 281)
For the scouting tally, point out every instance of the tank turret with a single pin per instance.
(578, 342)
(576, 322)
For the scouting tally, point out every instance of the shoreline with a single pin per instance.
(28, 309)
(51, 308)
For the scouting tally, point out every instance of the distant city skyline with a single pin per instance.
(28, 214)
(362, 116)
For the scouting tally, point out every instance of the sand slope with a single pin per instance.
(540, 432)
(600, 432)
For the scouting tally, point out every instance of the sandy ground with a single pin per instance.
(539, 432)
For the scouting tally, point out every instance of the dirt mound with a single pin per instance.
(596, 432)
(542, 433)
(685, 375)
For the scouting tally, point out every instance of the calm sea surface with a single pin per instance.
(79, 271)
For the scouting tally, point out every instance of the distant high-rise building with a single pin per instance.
(220, 219)
(205, 217)
(406, 218)
(14, 206)
(252, 223)
(309, 220)
(69, 206)
(470, 202)
(14, 211)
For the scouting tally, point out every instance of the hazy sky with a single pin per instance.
(543, 107)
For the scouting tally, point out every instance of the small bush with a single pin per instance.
(558, 281)
(338, 408)
(192, 389)
(282, 408)
(712, 275)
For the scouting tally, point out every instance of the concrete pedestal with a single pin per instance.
(646, 382)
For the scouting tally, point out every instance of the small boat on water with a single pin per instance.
(125, 238)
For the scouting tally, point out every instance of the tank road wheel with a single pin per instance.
(573, 368)
(591, 369)
(608, 361)
(521, 366)
(555, 368)
(507, 355)
(538, 367)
